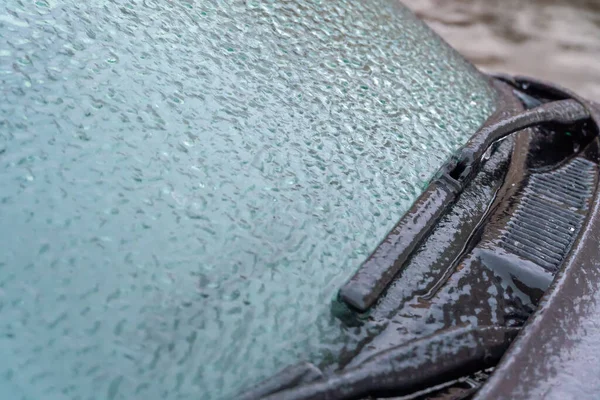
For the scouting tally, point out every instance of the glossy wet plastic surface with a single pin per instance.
(186, 185)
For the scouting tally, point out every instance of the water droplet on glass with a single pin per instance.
(112, 59)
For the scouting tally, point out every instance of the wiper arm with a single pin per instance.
(376, 273)
(561, 112)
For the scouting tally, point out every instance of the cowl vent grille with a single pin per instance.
(551, 214)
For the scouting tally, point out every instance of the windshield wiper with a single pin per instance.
(399, 370)
(376, 273)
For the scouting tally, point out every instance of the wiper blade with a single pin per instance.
(377, 272)
(404, 369)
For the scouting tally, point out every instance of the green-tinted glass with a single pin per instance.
(186, 184)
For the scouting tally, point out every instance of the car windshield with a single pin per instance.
(187, 184)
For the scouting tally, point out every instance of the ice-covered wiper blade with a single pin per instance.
(376, 273)
(399, 370)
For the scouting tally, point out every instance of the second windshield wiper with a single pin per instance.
(399, 370)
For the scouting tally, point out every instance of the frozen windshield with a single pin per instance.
(186, 184)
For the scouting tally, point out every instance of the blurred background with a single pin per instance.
(556, 40)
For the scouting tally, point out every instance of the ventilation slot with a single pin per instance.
(550, 214)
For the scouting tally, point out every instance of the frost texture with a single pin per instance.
(186, 184)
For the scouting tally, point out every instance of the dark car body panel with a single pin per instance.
(557, 354)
